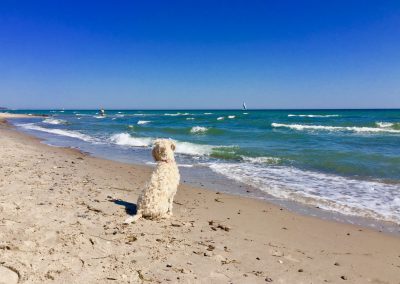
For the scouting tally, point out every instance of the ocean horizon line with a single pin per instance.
(203, 109)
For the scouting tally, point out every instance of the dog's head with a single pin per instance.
(163, 150)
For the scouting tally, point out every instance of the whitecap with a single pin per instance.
(176, 114)
(220, 118)
(313, 115)
(54, 121)
(125, 139)
(140, 122)
(335, 128)
(231, 116)
(188, 148)
(198, 129)
(190, 118)
(384, 124)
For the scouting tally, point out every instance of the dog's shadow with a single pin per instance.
(130, 208)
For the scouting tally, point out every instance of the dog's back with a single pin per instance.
(156, 199)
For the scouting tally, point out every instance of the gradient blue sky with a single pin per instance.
(200, 54)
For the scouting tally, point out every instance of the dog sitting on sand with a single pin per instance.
(155, 201)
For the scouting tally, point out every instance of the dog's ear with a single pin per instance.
(173, 146)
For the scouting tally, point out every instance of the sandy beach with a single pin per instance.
(62, 213)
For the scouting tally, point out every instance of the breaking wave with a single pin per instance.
(187, 148)
(124, 139)
(389, 125)
(176, 114)
(192, 149)
(54, 121)
(335, 128)
(313, 115)
(198, 129)
(68, 133)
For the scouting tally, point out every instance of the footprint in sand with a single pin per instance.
(8, 276)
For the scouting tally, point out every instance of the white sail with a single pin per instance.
(244, 106)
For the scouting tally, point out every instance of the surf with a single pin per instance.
(302, 127)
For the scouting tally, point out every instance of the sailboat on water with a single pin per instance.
(244, 106)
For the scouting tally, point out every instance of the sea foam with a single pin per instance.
(331, 192)
(61, 132)
(261, 160)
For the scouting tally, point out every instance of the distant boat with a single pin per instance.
(244, 106)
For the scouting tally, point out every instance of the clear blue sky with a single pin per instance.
(200, 54)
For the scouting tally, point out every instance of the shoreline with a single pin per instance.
(219, 182)
(212, 236)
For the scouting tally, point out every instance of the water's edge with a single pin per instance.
(204, 177)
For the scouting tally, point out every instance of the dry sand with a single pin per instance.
(61, 221)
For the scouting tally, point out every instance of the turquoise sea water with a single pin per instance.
(346, 161)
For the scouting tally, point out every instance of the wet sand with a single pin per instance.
(61, 221)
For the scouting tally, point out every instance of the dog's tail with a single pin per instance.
(133, 219)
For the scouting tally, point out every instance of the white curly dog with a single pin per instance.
(155, 201)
